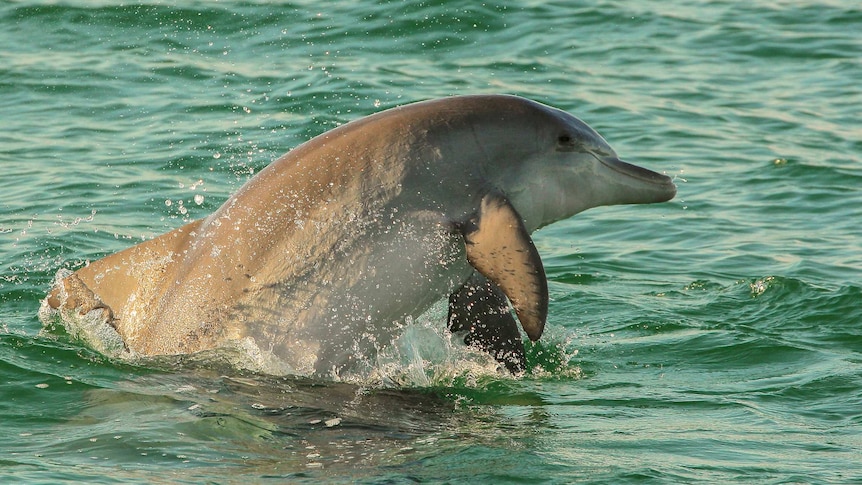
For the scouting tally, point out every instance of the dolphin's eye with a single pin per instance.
(565, 142)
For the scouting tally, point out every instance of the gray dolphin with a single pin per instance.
(324, 253)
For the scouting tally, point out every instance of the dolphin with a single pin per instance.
(326, 252)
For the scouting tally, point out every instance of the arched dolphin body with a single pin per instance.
(322, 254)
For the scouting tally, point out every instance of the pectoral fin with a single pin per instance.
(499, 247)
(480, 309)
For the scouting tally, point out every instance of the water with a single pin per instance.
(715, 338)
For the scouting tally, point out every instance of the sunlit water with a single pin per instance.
(715, 338)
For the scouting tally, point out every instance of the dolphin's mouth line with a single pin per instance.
(634, 171)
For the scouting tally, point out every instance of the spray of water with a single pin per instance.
(423, 354)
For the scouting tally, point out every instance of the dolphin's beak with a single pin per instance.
(639, 185)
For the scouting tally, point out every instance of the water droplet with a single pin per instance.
(216, 155)
(199, 199)
(168, 202)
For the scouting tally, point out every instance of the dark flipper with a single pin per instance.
(480, 308)
(499, 247)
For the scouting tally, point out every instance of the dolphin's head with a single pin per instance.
(569, 168)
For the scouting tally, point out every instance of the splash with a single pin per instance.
(553, 357)
(90, 328)
(423, 354)
(759, 286)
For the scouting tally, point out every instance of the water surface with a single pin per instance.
(714, 338)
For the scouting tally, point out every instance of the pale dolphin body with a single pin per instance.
(324, 253)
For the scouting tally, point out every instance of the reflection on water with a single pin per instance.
(429, 396)
(196, 419)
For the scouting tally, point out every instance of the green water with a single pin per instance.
(715, 338)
